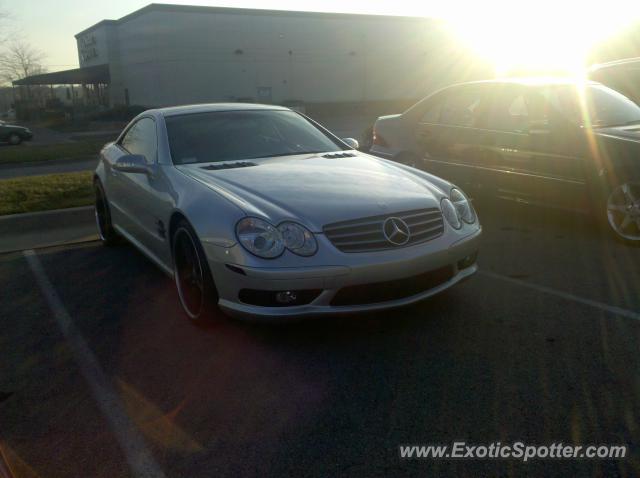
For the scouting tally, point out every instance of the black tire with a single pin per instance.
(106, 232)
(619, 212)
(15, 139)
(196, 290)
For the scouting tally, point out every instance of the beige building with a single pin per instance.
(167, 54)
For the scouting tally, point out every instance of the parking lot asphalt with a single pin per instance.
(541, 346)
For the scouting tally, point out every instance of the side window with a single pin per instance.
(540, 109)
(509, 112)
(462, 108)
(432, 115)
(142, 139)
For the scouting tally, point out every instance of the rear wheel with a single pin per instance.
(15, 139)
(623, 212)
(107, 233)
(196, 290)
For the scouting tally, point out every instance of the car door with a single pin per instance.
(450, 137)
(144, 196)
(535, 157)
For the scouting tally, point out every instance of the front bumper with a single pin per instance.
(330, 279)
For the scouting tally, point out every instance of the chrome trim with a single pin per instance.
(368, 234)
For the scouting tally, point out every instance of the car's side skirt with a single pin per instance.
(150, 255)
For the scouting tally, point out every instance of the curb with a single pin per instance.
(96, 134)
(46, 220)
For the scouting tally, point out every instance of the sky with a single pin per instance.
(499, 29)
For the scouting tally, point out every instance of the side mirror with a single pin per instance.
(352, 143)
(132, 163)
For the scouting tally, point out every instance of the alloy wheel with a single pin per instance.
(189, 275)
(623, 211)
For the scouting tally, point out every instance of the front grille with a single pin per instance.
(366, 234)
(391, 290)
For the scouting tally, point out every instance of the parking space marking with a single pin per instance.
(130, 440)
(630, 314)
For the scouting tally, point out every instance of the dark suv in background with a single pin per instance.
(556, 143)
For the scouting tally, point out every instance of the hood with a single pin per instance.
(620, 132)
(13, 126)
(317, 190)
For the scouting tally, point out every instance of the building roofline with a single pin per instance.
(162, 7)
(93, 27)
(77, 76)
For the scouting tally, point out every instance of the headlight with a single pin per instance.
(264, 240)
(298, 239)
(463, 206)
(450, 213)
(259, 237)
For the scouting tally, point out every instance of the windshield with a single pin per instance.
(599, 106)
(233, 135)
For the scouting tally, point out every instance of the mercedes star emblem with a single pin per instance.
(396, 231)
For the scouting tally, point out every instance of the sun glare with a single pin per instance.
(541, 37)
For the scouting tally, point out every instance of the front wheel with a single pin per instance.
(623, 212)
(15, 139)
(196, 290)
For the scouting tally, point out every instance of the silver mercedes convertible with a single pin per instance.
(262, 212)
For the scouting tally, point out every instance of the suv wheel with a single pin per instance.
(623, 212)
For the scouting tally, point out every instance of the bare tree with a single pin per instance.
(18, 60)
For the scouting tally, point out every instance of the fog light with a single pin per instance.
(286, 297)
(467, 261)
(283, 298)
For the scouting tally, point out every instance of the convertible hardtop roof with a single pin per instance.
(213, 107)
